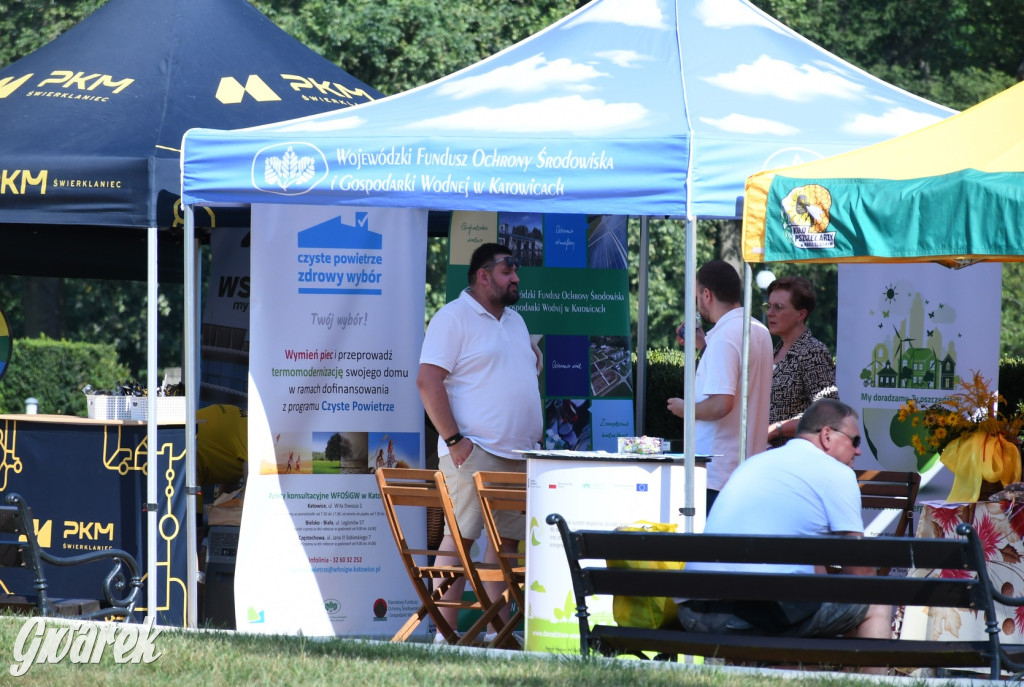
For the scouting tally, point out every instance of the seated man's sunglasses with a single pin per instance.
(855, 440)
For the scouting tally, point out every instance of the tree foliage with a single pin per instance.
(101, 310)
(29, 24)
(54, 372)
(395, 45)
(338, 448)
(954, 52)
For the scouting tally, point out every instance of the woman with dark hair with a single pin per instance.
(803, 370)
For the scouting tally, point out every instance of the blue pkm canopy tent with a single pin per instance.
(642, 107)
(92, 123)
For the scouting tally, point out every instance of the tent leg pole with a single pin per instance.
(152, 384)
(745, 358)
(641, 329)
(689, 370)
(190, 374)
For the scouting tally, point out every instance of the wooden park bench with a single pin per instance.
(969, 588)
(119, 590)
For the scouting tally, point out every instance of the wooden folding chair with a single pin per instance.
(886, 489)
(896, 490)
(403, 487)
(504, 491)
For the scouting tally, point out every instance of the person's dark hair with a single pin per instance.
(485, 253)
(721, 279)
(801, 292)
(825, 412)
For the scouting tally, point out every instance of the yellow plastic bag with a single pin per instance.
(645, 611)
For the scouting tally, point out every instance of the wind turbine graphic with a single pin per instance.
(880, 354)
(899, 352)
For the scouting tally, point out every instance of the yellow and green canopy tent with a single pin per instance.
(951, 192)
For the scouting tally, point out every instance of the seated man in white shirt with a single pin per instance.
(806, 487)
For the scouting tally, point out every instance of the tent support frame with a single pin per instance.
(640, 406)
(152, 384)
(689, 368)
(745, 359)
(191, 374)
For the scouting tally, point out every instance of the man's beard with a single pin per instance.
(509, 297)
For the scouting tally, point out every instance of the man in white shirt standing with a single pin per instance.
(478, 382)
(717, 380)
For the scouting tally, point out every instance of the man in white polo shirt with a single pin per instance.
(717, 405)
(478, 381)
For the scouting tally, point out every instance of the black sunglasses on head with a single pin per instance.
(508, 260)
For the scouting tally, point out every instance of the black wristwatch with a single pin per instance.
(454, 439)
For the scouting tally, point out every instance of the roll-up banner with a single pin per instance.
(912, 331)
(336, 328)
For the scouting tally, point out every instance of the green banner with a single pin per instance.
(566, 301)
(574, 297)
(960, 214)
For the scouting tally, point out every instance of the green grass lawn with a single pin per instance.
(325, 467)
(227, 658)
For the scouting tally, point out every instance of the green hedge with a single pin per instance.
(665, 380)
(54, 372)
(1011, 381)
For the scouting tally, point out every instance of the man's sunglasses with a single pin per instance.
(508, 261)
(853, 440)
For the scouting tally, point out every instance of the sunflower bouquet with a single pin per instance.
(975, 440)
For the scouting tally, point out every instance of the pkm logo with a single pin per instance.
(17, 182)
(69, 81)
(9, 84)
(231, 92)
(88, 530)
(81, 81)
(44, 533)
(288, 169)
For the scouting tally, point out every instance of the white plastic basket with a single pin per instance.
(169, 409)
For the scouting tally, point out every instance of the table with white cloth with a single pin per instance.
(600, 491)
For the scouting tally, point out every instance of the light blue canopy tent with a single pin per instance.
(641, 107)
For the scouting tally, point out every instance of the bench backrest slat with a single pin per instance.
(826, 550)
(10, 523)
(11, 529)
(915, 591)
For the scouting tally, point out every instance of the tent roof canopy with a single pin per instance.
(656, 107)
(93, 120)
(952, 192)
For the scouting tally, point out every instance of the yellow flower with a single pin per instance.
(972, 408)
